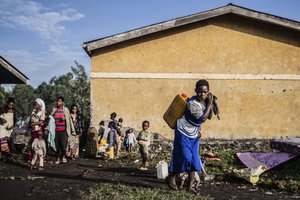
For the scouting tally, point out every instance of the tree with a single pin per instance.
(61, 86)
(44, 91)
(3, 96)
(73, 86)
(81, 91)
(24, 97)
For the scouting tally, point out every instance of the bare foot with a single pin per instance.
(193, 191)
(172, 182)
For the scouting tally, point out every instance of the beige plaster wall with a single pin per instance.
(249, 108)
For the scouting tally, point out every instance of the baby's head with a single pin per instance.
(40, 135)
(92, 133)
(145, 125)
(120, 120)
(130, 131)
(101, 123)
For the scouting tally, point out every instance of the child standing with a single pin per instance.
(115, 126)
(39, 150)
(130, 140)
(120, 123)
(111, 139)
(101, 131)
(120, 136)
(144, 142)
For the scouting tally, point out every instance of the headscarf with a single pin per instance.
(41, 104)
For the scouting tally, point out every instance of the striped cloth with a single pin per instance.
(189, 124)
(60, 119)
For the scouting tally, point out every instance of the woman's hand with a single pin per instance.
(2, 121)
(210, 98)
(73, 132)
(209, 104)
(32, 126)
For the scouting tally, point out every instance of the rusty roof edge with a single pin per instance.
(230, 8)
(13, 70)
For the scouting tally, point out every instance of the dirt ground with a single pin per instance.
(72, 180)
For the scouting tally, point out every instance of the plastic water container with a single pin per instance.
(176, 110)
(162, 170)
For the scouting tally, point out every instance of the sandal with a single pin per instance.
(211, 156)
(64, 160)
(209, 177)
(142, 168)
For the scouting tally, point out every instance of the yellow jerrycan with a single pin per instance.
(176, 110)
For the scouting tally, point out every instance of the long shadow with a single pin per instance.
(129, 172)
(122, 170)
(9, 161)
(130, 176)
(95, 180)
(88, 166)
(162, 182)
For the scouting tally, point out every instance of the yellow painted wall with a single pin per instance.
(249, 108)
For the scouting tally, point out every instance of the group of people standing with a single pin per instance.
(61, 130)
(116, 137)
(65, 128)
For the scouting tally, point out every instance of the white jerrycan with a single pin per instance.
(162, 170)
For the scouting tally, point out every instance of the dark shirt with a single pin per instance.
(101, 132)
(77, 124)
(111, 138)
(116, 127)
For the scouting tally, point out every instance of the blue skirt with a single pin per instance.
(185, 156)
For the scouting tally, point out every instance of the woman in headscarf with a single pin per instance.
(73, 140)
(37, 120)
(185, 156)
